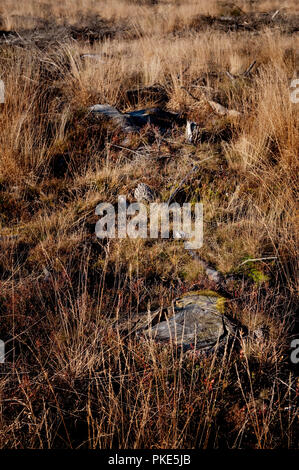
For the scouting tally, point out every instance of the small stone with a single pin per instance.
(46, 274)
(223, 111)
(192, 131)
(259, 334)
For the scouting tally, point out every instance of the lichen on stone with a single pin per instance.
(197, 321)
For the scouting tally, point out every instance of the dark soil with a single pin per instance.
(48, 33)
(247, 22)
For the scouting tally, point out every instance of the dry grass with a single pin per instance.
(71, 379)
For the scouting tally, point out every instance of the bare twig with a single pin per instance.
(244, 74)
(231, 76)
(216, 107)
(247, 71)
(257, 259)
(190, 94)
(275, 14)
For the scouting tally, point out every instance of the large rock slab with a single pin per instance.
(133, 121)
(195, 321)
(198, 322)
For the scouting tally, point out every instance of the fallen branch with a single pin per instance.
(257, 259)
(247, 71)
(190, 94)
(222, 110)
(216, 107)
(231, 76)
(275, 14)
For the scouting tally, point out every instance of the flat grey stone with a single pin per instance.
(119, 119)
(197, 322)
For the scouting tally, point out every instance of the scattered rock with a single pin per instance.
(134, 121)
(222, 110)
(180, 235)
(119, 119)
(195, 321)
(192, 132)
(211, 273)
(216, 107)
(157, 117)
